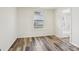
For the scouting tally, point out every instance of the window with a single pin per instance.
(38, 19)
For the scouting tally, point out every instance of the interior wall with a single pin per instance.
(7, 27)
(75, 26)
(25, 23)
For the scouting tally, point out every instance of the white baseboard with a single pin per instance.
(74, 44)
(34, 36)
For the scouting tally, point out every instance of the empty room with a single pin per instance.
(39, 29)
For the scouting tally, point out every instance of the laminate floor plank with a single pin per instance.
(66, 46)
(44, 43)
(53, 46)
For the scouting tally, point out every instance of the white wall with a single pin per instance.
(25, 23)
(75, 26)
(7, 27)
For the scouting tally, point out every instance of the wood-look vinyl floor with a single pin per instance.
(45, 43)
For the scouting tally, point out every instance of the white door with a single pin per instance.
(63, 22)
